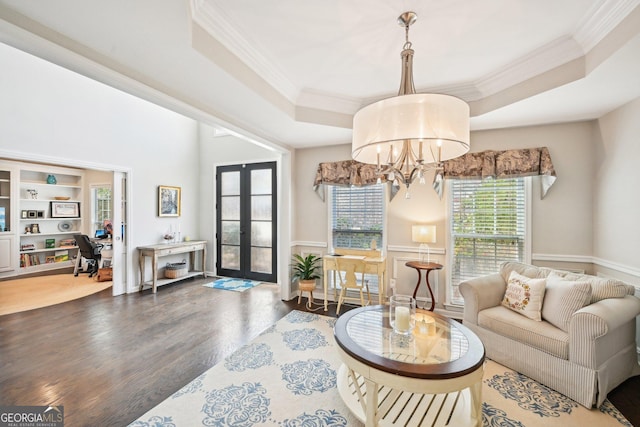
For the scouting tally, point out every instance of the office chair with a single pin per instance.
(90, 251)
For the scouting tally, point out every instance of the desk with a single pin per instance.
(375, 264)
(389, 380)
(427, 267)
(163, 249)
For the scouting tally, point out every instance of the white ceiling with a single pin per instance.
(292, 73)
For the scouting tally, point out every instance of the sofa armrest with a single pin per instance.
(480, 293)
(600, 330)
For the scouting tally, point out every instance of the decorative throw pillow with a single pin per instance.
(524, 295)
(562, 298)
(603, 287)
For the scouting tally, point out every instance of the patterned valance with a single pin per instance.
(346, 172)
(485, 164)
(500, 165)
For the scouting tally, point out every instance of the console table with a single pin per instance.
(160, 250)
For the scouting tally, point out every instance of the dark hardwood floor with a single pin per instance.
(109, 360)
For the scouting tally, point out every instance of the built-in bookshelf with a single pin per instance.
(7, 238)
(49, 215)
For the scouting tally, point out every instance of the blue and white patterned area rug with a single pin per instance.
(238, 285)
(286, 377)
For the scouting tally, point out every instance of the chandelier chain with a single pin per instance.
(407, 43)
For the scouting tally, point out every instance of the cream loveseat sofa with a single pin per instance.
(584, 344)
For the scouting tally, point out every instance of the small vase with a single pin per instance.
(51, 179)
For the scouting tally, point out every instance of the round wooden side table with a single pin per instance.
(427, 267)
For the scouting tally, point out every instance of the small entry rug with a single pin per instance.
(286, 377)
(238, 285)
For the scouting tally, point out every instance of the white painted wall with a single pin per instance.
(230, 150)
(50, 114)
(617, 198)
(311, 214)
(562, 221)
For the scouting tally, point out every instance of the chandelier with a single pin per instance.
(409, 134)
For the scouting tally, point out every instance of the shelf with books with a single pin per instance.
(55, 233)
(48, 250)
(36, 257)
(49, 208)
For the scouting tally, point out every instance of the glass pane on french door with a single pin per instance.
(230, 220)
(246, 221)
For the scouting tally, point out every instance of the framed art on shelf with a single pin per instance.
(169, 201)
(65, 209)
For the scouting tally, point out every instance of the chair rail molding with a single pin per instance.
(622, 268)
(308, 244)
(399, 261)
(415, 249)
(632, 271)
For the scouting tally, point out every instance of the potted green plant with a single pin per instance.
(306, 270)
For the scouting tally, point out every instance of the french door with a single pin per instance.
(246, 221)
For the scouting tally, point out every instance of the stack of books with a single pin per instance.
(67, 243)
(27, 260)
(61, 256)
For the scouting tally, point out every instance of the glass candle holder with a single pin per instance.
(402, 311)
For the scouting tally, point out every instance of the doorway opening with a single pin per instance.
(246, 221)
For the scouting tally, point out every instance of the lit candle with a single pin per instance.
(425, 325)
(403, 317)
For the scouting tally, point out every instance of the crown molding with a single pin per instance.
(315, 106)
(601, 21)
(552, 55)
(331, 102)
(220, 26)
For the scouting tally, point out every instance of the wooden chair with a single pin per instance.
(349, 270)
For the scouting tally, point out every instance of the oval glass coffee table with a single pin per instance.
(430, 377)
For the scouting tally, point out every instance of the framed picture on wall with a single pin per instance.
(65, 209)
(169, 201)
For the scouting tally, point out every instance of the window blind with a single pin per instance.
(487, 227)
(357, 216)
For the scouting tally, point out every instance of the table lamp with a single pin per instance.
(423, 234)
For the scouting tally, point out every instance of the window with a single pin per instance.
(487, 226)
(101, 206)
(357, 216)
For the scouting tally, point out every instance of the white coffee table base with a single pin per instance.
(386, 406)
